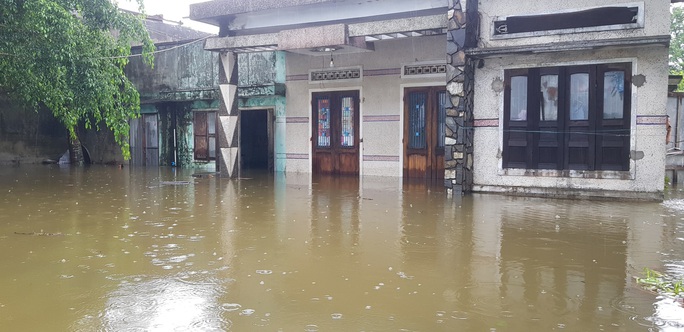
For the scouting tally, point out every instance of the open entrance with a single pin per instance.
(424, 132)
(256, 140)
(335, 148)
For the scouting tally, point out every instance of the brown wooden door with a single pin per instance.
(335, 133)
(424, 132)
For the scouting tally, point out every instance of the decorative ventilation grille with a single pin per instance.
(335, 74)
(415, 70)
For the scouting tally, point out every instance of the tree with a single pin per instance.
(677, 43)
(69, 57)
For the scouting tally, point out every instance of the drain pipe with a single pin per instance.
(175, 148)
(676, 126)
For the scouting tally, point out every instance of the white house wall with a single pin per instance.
(656, 20)
(381, 105)
(649, 103)
(649, 100)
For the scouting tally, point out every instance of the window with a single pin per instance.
(568, 118)
(604, 18)
(204, 125)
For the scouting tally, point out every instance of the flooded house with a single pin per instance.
(570, 99)
(178, 97)
(563, 99)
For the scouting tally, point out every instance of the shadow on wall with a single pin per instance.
(28, 136)
(31, 137)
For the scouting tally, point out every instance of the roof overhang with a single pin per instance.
(569, 46)
(337, 38)
(241, 17)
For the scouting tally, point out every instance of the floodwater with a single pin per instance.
(104, 249)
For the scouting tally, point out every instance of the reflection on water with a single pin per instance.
(105, 249)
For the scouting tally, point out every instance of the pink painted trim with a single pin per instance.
(299, 156)
(381, 118)
(296, 119)
(646, 120)
(380, 158)
(486, 123)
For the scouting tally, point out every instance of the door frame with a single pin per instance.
(140, 139)
(402, 116)
(270, 122)
(311, 122)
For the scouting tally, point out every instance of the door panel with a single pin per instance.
(548, 141)
(424, 132)
(145, 152)
(614, 117)
(335, 133)
(200, 129)
(136, 142)
(580, 146)
(516, 136)
(151, 141)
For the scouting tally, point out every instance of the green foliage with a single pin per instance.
(658, 282)
(677, 41)
(677, 44)
(69, 56)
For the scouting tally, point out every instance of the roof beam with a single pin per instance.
(429, 22)
(569, 46)
(372, 31)
(256, 16)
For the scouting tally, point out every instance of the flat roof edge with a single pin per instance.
(210, 10)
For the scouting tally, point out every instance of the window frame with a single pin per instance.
(594, 144)
(200, 154)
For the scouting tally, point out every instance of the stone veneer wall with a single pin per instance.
(458, 164)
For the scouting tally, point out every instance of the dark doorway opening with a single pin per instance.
(255, 140)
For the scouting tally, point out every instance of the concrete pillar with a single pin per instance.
(280, 113)
(228, 162)
(458, 163)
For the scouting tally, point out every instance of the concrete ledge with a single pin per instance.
(568, 193)
(485, 52)
(211, 9)
(248, 41)
(429, 22)
(312, 37)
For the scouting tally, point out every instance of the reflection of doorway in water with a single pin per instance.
(256, 140)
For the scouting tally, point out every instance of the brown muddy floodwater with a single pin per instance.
(103, 249)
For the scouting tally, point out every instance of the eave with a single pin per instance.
(569, 46)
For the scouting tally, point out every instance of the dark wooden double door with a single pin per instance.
(335, 139)
(568, 118)
(424, 132)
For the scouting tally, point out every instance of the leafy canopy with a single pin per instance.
(677, 41)
(69, 56)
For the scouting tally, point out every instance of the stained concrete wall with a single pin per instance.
(181, 72)
(29, 136)
(184, 78)
(101, 145)
(381, 93)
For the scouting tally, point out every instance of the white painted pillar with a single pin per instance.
(229, 117)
